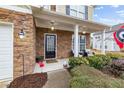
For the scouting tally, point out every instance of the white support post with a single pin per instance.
(76, 40)
(103, 42)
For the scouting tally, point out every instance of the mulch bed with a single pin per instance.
(36, 80)
(115, 69)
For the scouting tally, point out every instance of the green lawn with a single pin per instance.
(88, 77)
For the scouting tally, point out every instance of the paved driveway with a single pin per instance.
(58, 79)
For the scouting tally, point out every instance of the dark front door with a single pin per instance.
(50, 46)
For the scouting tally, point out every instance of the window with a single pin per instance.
(81, 15)
(105, 46)
(81, 41)
(77, 11)
(114, 46)
(73, 13)
(46, 7)
(98, 37)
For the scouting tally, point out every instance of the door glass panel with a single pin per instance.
(50, 43)
(50, 46)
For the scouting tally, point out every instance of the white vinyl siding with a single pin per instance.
(110, 43)
(6, 51)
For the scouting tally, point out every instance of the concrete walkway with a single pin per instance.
(58, 79)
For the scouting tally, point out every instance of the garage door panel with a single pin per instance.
(7, 45)
(4, 57)
(6, 51)
(4, 39)
(5, 54)
(6, 48)
(4, 42)
(8, 76)
(4, 63)
(4, 68)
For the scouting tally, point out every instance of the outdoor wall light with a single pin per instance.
(52, 25)
(21, 34)
(84, 32)
(52, 28)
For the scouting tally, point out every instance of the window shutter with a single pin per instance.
(68, 9)
(86, 12)
(53, 7)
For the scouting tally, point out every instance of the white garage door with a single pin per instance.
(6, 52)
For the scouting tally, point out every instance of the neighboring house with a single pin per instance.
(110, 43)
(48, 33)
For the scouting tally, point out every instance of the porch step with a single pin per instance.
(51, 61)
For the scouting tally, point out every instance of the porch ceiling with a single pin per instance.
(64, 22)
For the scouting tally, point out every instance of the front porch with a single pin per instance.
(58, 35)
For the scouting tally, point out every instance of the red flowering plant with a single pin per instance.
(39, 60)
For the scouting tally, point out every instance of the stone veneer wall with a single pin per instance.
(64, 42)
(27, 45)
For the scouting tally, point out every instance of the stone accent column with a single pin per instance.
(25, 22)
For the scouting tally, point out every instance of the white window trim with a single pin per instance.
(17, 8)
(49, 7)
(45, 44)
(72, 47)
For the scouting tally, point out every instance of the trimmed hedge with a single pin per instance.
(76, 61)
(115, 55)
(89, 77)
(96, 61)
(99, 61)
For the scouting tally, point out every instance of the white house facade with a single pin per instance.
(110, 44)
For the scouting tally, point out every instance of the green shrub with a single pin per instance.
(39, 58)
(115, 55)
(84, 76)
(76, 61)
(99, 61)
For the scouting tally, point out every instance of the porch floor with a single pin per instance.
(50, 66)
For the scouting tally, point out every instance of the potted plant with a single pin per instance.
(40, 60)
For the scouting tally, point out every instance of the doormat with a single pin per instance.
(51, 61)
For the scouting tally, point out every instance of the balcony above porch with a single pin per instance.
(43, 18)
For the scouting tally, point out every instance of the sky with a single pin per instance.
(109, 14)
